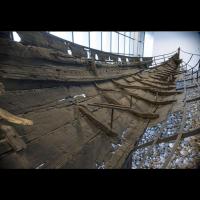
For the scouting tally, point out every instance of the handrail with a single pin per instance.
(191, 66)
(165, 54)
(190, 53)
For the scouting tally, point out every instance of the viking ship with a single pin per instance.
(71, 110)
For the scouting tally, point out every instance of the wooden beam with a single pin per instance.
(154, 91)
(128, 109)
(14, 119)
(155, 86)
(13, 138)
(148, 100)
(94, 120)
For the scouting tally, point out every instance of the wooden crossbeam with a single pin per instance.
(97, 122)
(105, 89)
(155, 86)
(154, 91)
(159, 82)
(148, 100)
(128, 109)
(14, 119)
(110, 99)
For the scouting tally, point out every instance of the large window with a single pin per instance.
(123, 43)
(127, 40)
(95, 40)
(114, 48)
(131, 46)
(106, 41)
(81, 38)
(66, 35)
(16, 37)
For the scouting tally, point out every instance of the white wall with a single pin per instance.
(166, 42)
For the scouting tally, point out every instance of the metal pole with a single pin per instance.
(118, 43)
(124, 43)
(198, 71)
(143, 45)
(72, 36)
(199, 65)
(192, 77)
(110, 41)
(101, 41)
(164, 58)
(129, 45)
(179, 52)
(89, 38)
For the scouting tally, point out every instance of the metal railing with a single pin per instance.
(193, 69)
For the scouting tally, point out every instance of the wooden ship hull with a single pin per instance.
(81, 113)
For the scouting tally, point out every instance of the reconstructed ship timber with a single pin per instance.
(62, 110)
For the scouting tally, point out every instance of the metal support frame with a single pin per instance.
(164, 58)
(124, 44)
(72, 36)
(89, 38)
(110, 41)
(130, 43)
(118, 43)
(101, 41)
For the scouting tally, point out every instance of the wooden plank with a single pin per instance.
(148, 100)
(155, 91)
(102, 126)
(125, 108)
(14, 119)
(13, 138)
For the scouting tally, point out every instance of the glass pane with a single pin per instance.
(106, 41)
(66, 35)
(16, 37)
(81, 38)
(139, 36)
(127, 45)
(95, 40)
(114, 48)
(148, 44)
(139, 48)
(132, 35)
(121, 44)
(127, 34)
(142, 36)
(131, 46)
(135, 47)
(136, 36)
